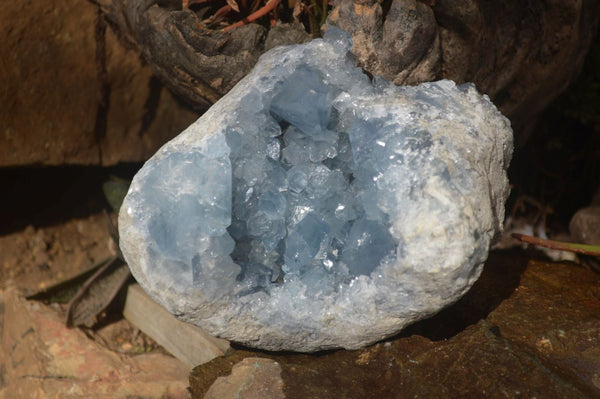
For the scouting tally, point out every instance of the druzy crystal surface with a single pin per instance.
(315, 208)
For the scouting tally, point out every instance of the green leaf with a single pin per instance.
(115, 189)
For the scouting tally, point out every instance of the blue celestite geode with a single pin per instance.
(313, 208)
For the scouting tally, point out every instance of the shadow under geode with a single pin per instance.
(51, 195)
(499, 278)
(539, 340)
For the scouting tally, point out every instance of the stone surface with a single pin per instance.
(312, 208)
(555, 314)
(526, 329)
(56, 107)
(41, 358)
(185, 341)
(252, 378)
(585, 225)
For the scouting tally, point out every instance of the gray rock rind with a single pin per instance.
(442, 216)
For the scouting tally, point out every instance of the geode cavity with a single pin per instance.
(313, 208)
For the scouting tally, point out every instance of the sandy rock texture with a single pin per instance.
(73, 94)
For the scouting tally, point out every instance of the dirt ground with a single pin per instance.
(33, 259)
(54, 227)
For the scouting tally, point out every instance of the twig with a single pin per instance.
(271, 4)
(220, 14)
(593, 250)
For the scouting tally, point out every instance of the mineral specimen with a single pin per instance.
(314, 208)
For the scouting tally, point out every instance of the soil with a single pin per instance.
(56, 227)
(33, 259)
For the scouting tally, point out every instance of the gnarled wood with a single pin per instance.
(521, 54)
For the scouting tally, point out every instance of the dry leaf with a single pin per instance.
(234, 5)
(97, 293)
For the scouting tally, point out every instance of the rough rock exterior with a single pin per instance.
(312, 208)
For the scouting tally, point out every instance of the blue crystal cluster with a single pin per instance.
(314, 208)
(304, 202)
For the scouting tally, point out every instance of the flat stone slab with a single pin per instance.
(185, 341)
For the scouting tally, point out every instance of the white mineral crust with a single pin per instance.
(313, 208)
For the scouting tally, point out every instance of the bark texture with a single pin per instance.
(522, 54)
